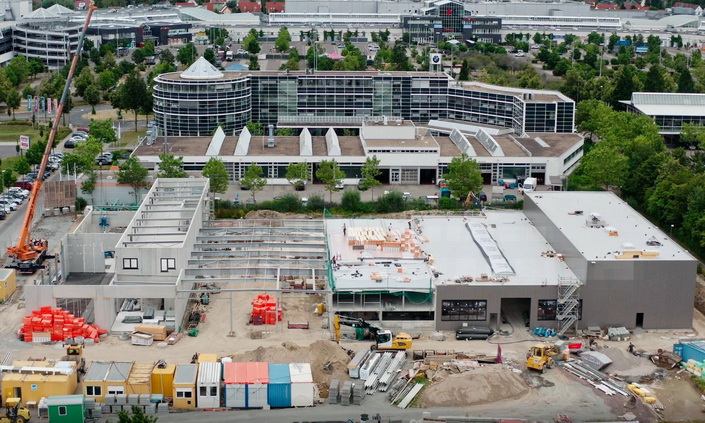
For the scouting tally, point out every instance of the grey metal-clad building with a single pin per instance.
(630, 273)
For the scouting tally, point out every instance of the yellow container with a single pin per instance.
(140, 379)
(207, 358)
(163, 380)
(33, 386)
(184, 394)
(106, 378)
(8, 283)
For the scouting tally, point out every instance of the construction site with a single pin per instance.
(469, 314)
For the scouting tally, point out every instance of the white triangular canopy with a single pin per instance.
(60, 10)
(41, 13)
(201, 69)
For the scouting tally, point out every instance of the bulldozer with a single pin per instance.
(74, 352)
(540, 357)
(14, 412)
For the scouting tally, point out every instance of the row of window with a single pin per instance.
(165, 264)
(476, 310)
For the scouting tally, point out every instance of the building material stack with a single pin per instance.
(265, 310)
(57, 325)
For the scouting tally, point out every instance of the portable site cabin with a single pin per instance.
(207, 358)
(302, 388)
(245, 384)
(140, 379)
(106, 378)
(279, 387)
(208, 385)
(184, 391)
(163, 379)
(32, 380)
(8, 284)
(66, 409)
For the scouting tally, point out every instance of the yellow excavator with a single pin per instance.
(384, 339)
(540, 357)
(14, 412)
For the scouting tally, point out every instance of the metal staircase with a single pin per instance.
(568, 304)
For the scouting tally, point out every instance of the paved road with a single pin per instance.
(75, 117)
(7, 149)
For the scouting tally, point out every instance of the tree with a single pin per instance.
(370, 172)
(187, 54)
(132, 94)
(297, 174)
(92, 96)
(13, 100)
(655, 82)
(685, 81)
(693, 134)
(35, 152)
(17, 70)
(138, 56)
(166, 56)
(102, 130)
(8, 178)
(250, 43)
(83, 81)
(605, 166)
(626, 83)
(133, 174)
(463, 176)
(253, 180)
(255, 128)
(330, 174)
(209, 55)
(283, 40)
(464, 74)
(218, 175)
(254, 63)
(137, 416)
(171, 166)
(88, 185)
(22, 166)
(351, 201)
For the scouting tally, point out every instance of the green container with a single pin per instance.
(66, 409)
(360, 334)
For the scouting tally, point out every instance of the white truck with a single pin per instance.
(529, 185)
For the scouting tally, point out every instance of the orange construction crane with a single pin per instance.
(29, 254)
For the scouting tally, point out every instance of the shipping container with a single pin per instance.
(66, 409)
(163, 380)
(302, 388)
(246, 384)
(8, 283)
(208, 387)
(32, 380)
(184, 394)
(279, 388)
(691, 350)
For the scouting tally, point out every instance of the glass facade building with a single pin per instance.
(195, 107)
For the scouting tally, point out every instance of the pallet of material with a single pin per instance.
(174, 338)
(296, 325)
(157, 332)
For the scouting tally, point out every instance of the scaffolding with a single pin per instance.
(568, 312)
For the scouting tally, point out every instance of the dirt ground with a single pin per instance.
(681, 401)
(488, 383)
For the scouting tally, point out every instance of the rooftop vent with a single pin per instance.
(271, 141)
(594, 220)
(653, 242)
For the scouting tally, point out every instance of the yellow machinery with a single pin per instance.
(540, 356)
(74, 352)
(384, 339)
(14, 412)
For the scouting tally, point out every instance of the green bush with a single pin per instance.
(121, 154)
(80, 204)
(351, 201)
(288, 204)
(446, 203)
(391, 202)
(316, 203)
(417, 204)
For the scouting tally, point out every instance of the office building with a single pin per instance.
(195, 102)
(670, 111)
(448, 19)
(46, 35)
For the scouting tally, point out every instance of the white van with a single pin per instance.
(529, 185)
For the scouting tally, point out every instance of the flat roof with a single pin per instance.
(539, 144)
(452, 251)
(176, 76)
(631, 230)
(668, 104)
(423, 141)
(536, 95)
(178, 146)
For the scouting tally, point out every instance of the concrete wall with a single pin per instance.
(84, 252)
(493, 294)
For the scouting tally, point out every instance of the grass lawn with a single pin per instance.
(9, 163)
(129, 139)
(11, 131)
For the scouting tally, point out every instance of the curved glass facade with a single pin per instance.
(197, 107)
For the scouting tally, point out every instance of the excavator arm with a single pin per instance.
(27, 250)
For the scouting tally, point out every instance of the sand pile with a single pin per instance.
(481, 385)
(328, 360)
(626, 364)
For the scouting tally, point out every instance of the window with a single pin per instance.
(464, 310)
(93, 391)
(168, 264)
(202, 391)
(62, 410)
(547, 310)
(116, 390)
(130, 263)
(214, 391)
(183, 393)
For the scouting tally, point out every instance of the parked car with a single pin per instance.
(79, 134)
(70, 143)
(2, 214)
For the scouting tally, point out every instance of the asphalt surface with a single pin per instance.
(7, 150)
(75, 116)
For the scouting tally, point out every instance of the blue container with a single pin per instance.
(694, 350)
(279, 388)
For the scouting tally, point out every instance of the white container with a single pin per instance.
(302, 388)
(208, 386)
(142, 339)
